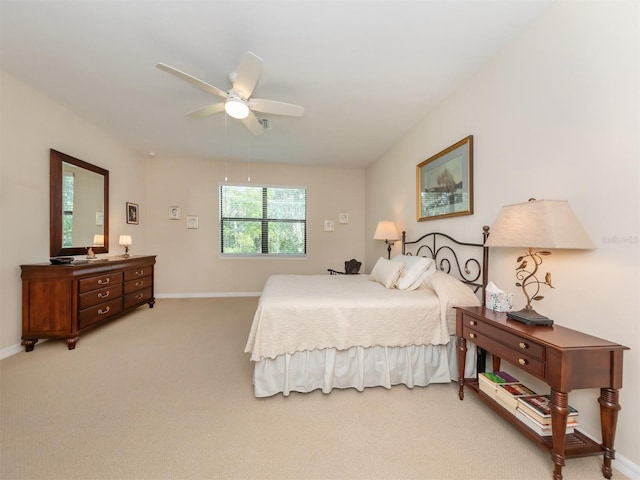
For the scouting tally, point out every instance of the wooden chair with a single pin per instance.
(351, 267)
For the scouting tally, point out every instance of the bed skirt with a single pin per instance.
(359, 368)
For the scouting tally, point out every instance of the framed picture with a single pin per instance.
(174, 213)
(192, 221)
(132, 213)
(444, 182)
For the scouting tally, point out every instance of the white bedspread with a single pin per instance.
(308, 312)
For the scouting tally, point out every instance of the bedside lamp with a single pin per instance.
(98, 240)
(388, 232)
(125, 241)
(536, 224)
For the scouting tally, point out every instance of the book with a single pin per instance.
(507, 395)
(539, 408)
(489, 381)
(540, 429)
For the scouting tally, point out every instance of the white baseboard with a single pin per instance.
(626, 467)
(11, 350)
(208, 295)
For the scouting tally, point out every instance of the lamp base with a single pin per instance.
(529, 317)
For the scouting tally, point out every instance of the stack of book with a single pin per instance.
(535, 412)
(488, 382)
(507, 395)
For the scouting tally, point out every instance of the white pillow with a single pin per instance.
(416, 269)
(386, 272)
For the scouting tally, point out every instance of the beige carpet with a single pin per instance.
(165, 393)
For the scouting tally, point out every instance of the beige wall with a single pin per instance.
(554, 116)
(188, 262)
(31, 124)
(188, 259)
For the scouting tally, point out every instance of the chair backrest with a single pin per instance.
(352, 267)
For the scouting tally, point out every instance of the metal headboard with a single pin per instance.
(470, 266)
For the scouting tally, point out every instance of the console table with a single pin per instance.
(565, 359)
(64, 301)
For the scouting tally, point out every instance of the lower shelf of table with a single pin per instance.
(576, 444)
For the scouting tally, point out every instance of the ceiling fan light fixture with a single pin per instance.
(236, 108)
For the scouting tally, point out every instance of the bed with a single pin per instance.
(386, 328)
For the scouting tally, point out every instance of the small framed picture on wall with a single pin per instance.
(132, 213)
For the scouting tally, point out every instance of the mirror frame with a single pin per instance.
(55, 204)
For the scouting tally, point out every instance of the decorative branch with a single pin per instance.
(528, 278)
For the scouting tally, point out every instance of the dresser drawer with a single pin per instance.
(96, 313)
(138, 297)
(137, 284)
(137, 273)
(517, 357)
(94, 283)
(95, 297)
(510, 340)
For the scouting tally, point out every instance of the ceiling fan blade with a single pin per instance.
(277, 108)
(193, 80)
(252, 123)
(208, 110)
(247, 75)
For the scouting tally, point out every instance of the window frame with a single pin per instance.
(264, 221)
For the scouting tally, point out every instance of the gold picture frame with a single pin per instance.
(444, 182)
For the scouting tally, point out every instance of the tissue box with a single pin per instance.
(500, 301)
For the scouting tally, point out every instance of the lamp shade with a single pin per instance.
(98, 240)
(386, 230)
(539, 224)
(125, 240)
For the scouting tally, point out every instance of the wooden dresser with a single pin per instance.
(64, 301)
(564, 359)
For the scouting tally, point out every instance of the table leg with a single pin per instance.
(609, 408)
(461, 345)
(559, 413)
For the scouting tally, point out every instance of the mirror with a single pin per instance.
(78, 206)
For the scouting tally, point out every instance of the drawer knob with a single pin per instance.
(140, 283)
(104, 281)
(105, 294)
(472, 322)
(139, 273)
(105, 311)
(472, 335)
(523, 345)
(522, 361)
(140, 296)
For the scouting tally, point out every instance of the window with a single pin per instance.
(259, 220)
(67, 208)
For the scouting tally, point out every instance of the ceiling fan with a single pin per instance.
(238, 102)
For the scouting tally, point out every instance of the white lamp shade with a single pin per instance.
(98, 240)
(125, 240)
(236, 108)
(386, 230)
(539, 224)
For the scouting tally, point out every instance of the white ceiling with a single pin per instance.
(365, 71)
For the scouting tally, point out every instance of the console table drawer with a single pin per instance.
(517, 358)
(99, 312)
(138, 297)
(137, 284)
(98, 296)
(93, 283)
(510, 340)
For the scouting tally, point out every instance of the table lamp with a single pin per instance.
(387, 231)
(540, 225)
(125, 241)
